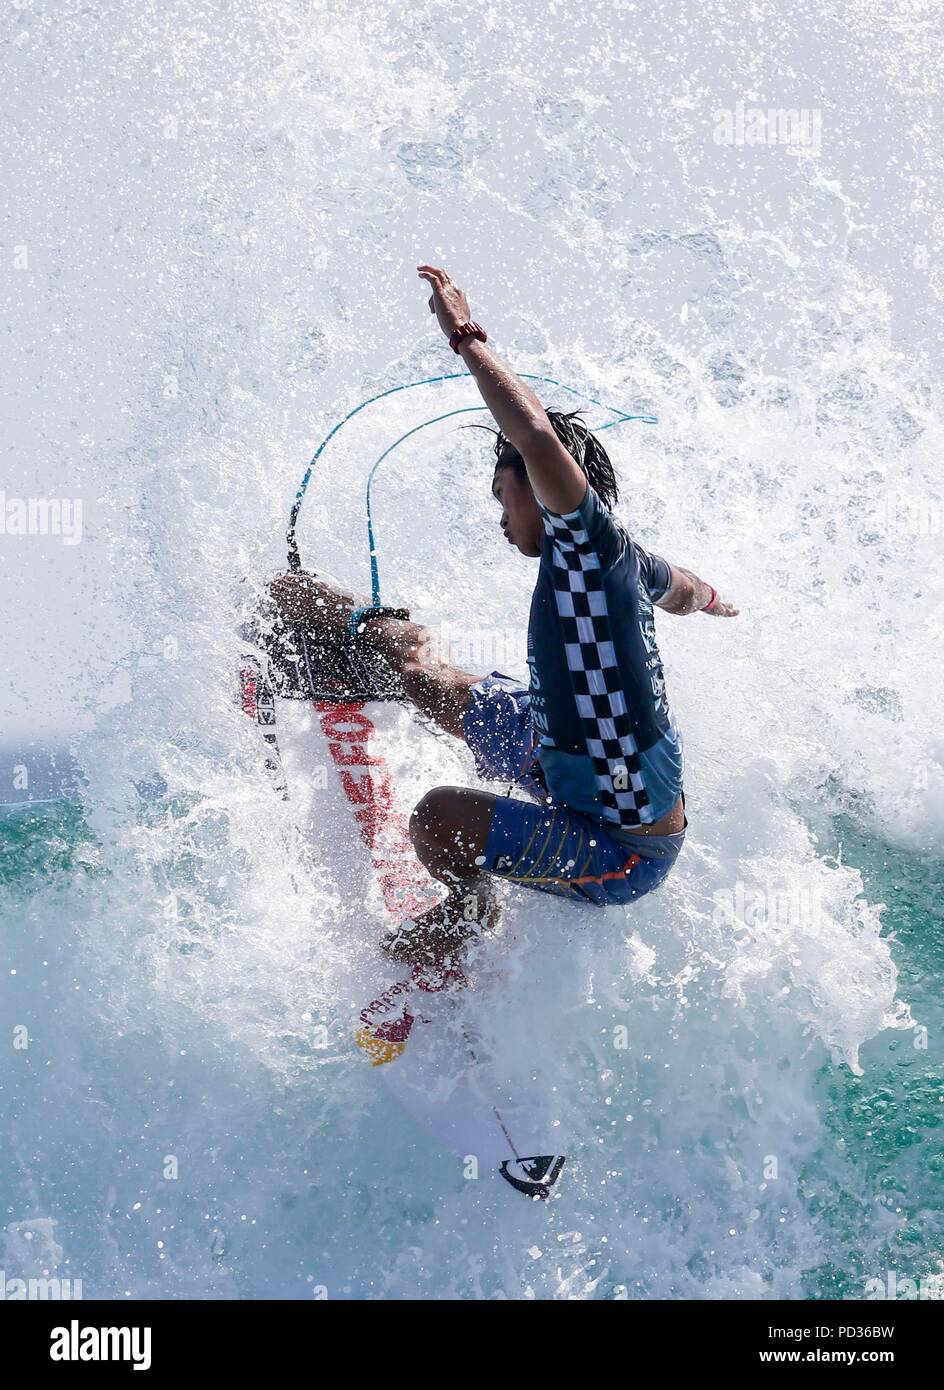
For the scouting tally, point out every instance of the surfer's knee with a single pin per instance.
(285, 592)
(434, 815)
(452, 821)
(289, 586)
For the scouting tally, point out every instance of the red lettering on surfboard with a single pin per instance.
(353, 755)
(404, 883)
(433, 978)
(335, 720)
(368, 791)
(384, 1003)
(384, 829)
(248, 690)
(397, 1031)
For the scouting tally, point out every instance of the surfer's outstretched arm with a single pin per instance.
(554, 474)
(689, 594)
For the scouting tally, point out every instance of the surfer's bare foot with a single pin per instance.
(315, 602)
(320, 605)
(438, 934)
(406, 652)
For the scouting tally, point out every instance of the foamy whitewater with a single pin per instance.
(212, 218)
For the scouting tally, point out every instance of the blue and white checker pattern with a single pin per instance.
(594, 672)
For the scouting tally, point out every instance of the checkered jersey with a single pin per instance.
(580, 596)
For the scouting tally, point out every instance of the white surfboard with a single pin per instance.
(412, 1023)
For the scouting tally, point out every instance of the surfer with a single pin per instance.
(591, 739)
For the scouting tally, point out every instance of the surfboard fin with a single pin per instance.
(536, 1176)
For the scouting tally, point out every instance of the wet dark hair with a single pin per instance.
(582, 446)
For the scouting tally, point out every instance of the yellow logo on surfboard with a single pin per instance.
(379, 1050)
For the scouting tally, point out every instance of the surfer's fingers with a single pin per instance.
(432, 273)
(437, 288)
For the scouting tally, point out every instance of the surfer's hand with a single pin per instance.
(689, 594)
(720, 609)
(447, 301)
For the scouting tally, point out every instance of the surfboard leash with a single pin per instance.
(294, 557)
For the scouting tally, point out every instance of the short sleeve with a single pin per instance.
(591, 527)
(656, 573)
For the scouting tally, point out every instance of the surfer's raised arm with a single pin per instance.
(554, 474)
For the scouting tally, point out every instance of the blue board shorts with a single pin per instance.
(542, 844)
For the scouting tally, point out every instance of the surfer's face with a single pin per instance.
(520, 518)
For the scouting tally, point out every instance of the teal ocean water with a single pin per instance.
(315, 1176)
(890, 1120)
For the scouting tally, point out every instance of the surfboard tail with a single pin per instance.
(536, 1176)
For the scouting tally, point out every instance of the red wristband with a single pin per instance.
(469, 329)
(712, 601)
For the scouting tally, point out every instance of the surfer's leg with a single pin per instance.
(435, 686)
(553, 849)
(313, 602)
(450, 828)
(468, 839)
